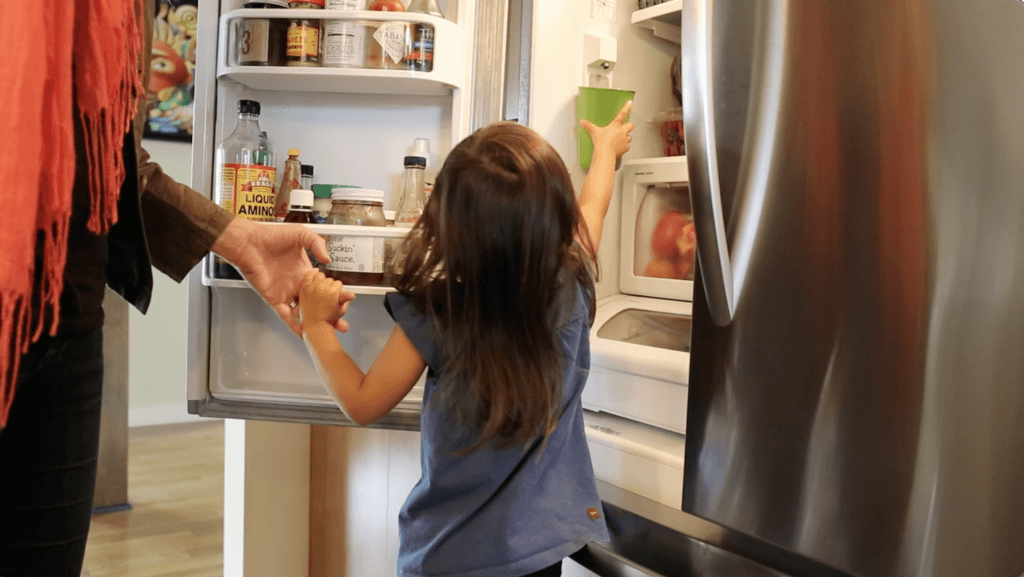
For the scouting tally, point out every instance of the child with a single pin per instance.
(495, 301)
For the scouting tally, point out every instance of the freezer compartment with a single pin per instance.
(639, 458)
(652, 539)
(638, 368)
(384, 62)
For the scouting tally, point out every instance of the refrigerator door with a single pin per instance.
(354, 125)
(856, 377)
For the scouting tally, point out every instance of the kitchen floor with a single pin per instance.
(175, 525)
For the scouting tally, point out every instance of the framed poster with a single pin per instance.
(171, 87)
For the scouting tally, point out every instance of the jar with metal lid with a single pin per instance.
(356, 260)
(261, 41)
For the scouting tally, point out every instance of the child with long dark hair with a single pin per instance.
(495, 301)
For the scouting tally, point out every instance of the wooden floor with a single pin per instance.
(175, 526)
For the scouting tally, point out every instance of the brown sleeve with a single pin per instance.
(180, 223)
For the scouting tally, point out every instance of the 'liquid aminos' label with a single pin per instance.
(248, 191)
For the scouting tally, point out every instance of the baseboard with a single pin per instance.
(161, 415)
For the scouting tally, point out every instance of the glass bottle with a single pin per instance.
(291, 179)
(386, 41)
(304, 36)
(300, 207)
(411, 206)
(307, 176)
(420, 53)
(244, 175)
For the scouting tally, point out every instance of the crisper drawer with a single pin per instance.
(638, 458)
(640, 361)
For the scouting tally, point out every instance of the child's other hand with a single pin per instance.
(614, 137)
(323, 300)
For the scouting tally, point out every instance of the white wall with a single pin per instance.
(156, 341)
(557, 66)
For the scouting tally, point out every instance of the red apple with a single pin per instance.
(683, 269)
(660, 268)
(666, 232)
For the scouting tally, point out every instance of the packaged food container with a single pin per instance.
(670, 125)
(303, 44)
(261, 41)
(356, 260)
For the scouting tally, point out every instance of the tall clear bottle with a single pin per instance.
(244, 175)
(411, 206)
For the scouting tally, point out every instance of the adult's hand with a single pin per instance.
(273, 259)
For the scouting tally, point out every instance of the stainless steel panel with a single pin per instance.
(861, 405)
(650, 539)
(112, 462)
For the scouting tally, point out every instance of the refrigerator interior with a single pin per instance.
(643, 391)
(354, 127)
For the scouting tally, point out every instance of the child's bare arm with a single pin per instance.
(363, 398)
(610, 142)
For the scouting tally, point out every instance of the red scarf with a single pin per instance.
(46, 49)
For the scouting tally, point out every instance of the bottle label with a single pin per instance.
(254, 42)
(343, 4)
(303, 41)
(343, 43)
(247, 190)
(423, 45)
(391, 37)
(356, 254)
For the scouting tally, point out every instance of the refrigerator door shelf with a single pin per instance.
(448, 59)
(638, 458)
(662, 19)
(390, 234)
(640, 382)
(669, 12)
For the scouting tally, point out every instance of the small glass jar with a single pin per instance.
(356, 260)
(261, 41)
(304, 37)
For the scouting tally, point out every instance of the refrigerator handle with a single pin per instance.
(724, 274)
(702, 160)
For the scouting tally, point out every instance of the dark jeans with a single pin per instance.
(48, 457)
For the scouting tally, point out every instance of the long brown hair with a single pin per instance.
(496, 244)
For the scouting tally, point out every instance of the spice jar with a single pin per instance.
(356, 260)
(261, 41)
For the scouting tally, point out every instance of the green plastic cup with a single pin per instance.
(598, 105)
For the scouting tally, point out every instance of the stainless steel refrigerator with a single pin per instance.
(857, 367)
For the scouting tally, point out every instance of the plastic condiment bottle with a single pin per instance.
(411, 206)
(291, 179)
(300, 209)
